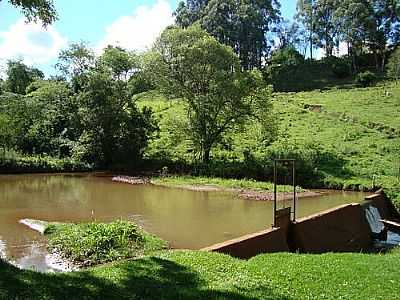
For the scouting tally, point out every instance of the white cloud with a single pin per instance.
(139, 30)
(31, 42)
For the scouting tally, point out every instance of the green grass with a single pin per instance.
(221, 183)
(88, 244)
(352, 142)
(200, 275)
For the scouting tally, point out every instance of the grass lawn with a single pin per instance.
(201, 275)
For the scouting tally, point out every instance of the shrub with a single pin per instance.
(94, 243)
(341, 67)
(365, 79)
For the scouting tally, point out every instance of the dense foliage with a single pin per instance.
(191, 65)
(371, 25)
(242, 25)
(91, 118)
(35, 10)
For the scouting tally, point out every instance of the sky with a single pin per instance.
(133, 25)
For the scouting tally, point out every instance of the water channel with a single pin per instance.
(186, 219)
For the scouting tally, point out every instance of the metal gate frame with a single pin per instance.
(293, 163)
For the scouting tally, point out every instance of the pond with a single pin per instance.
(186, 219)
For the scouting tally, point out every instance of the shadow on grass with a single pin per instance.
(148, 278)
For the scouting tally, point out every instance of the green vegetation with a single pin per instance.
(201, 275)
(365, 79)
(90, 118)
(89, 244)
(393, 67)
(14, 162)
(221, 183)
(216, 99)
(341, 138)
(36, 10)
(223, 122)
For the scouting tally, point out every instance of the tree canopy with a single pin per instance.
(361, 24)
(192, 65)
(242, 25)
(35, 10)
(20, 76)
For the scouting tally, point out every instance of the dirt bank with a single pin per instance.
(249, 194)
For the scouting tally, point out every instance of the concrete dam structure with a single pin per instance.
(356, 227)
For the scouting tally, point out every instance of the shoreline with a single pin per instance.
(244, 193)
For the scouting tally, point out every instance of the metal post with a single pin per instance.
(294, 189)
(275, 178)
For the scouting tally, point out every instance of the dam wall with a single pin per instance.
(341, 229)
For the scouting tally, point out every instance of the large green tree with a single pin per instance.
(243, 25)
(192, 65)
(120, 62)
(35, 10)
(75, 62)
(115, 132)
(20, 76)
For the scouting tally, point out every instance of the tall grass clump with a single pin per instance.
(93, 243)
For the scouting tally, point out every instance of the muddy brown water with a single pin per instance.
(186, 219)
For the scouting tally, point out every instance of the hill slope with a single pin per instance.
(341, 139)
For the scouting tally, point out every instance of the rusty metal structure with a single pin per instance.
(290, 164)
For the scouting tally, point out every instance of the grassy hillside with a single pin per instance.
(341, 139)
(199, 275)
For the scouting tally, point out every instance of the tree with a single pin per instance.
(393, 66)
(367, 26)
(75, 62)
(283, 68)
(7, 133)
(386, 29)
(120, 62)
(306, 14)
(115, 131)
(289, 34)
(242, 25)
(35, 10)
(19, 76)
(319, 17)
(188, 13)
(191, 65)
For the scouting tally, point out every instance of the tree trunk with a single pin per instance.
(383, 61)
(206, 154)
(376, 59)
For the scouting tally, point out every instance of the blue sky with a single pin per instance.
(131, 24)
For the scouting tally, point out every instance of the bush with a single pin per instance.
(15, 162)
(365, 79)
(341, 67)
(94, 243)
